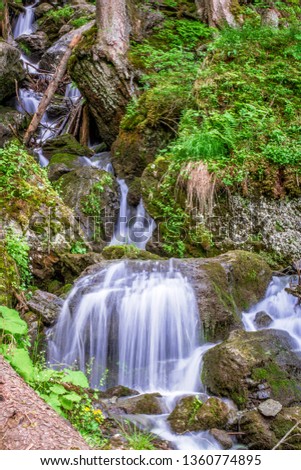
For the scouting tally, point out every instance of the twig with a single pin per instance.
(286, 435)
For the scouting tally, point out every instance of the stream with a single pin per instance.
(136, 323)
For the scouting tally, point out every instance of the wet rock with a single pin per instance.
(94, 196)
(224, 287)
(250, 363)
(222, 437)
(10, 120)
(127, 252)
(11, 70)
(72, 265)
(148, 404)
(263, 320)
(191, 414)
(41, 9)
(34, 44)
(256, 432)
(270, 408)
(283, 423)
(62, 163)
(65, 144)
(118, 391)
(47, 306)
(52, 57)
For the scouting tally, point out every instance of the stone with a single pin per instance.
(52, 57)
(270, 408)
(147, 403)
(118, 391)
(11, 70)
(93, 194)
(34, 45)
(42, 8)
(263, 320)
(222, 437)
(191, 414)
(264, 356)
(47, 306)
(65, 144)
(256, 432)
(9, 277)
(10, 120)
(127, 252)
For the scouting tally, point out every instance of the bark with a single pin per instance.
(84, 130)
(48, 95)
(5, 28)
(113, 27)
(216, 12)
(27, 422)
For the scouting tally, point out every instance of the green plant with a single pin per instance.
(63, 13)
(78, 248)
(78, 22)
(18, 248)
(137, 439)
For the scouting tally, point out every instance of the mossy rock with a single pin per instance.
(62, 163)
(224, 286)
(190, 414)
(10, 119)
(284, 422)
(148, 404)
(93, 194)
(127, 252)
(256, 432)
(11, 70)
(65, 144)
(251, 366)
(9, 278)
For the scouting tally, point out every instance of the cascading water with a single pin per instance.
(139, 317)
(282, 308)
(134, 225)
(139, 322)
(72, 93)
(25, 22)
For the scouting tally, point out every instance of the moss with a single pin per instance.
(127, 252)
(9, 278)
(65, 144)
(279, 381)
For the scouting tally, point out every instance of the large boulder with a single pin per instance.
(190, 414)
(47, 306)
(253, 366)
(224, 287)
(94, 196)
(65, 144)
(148, 403)
(33, 45)
(11, 70)
(52, 57)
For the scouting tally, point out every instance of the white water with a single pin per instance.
(134, 225)
(139, 321)
(282, 307)
(25, 22)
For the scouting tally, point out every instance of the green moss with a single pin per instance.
(127, 252)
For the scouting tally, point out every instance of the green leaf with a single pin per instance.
(68, 401)
(10, 322)
(77, 378)
(21, 362)
(58, 389)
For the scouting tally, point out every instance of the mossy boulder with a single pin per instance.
(62, 163)
(148, 404)
(224, 287)
(263, 433)
(11, 70)
(47, 306)
(10, 120)
(33, 209)
(127, 252)
(9, 277)
(94, 196)
(134, 150)
(252, 366)
(65, 144)
(190, 414)
(71, 265)
(33, 45)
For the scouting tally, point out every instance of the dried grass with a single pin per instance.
(200, 186)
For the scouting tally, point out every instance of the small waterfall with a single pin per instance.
(134, 225)
(283, 309)
(139, 320)
(72, 93)
(25, 21)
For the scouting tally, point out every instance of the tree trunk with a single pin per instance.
(113, 27)
(5, 28)
(47, 97)
(216, 12)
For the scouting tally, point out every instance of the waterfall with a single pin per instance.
(282, 308)
(134, 225)
(25, 21)
(72, 93)
(138, 319)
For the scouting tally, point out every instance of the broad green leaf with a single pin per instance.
(10, 322)
(21, 362)
(58, 389)
(76, 377)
